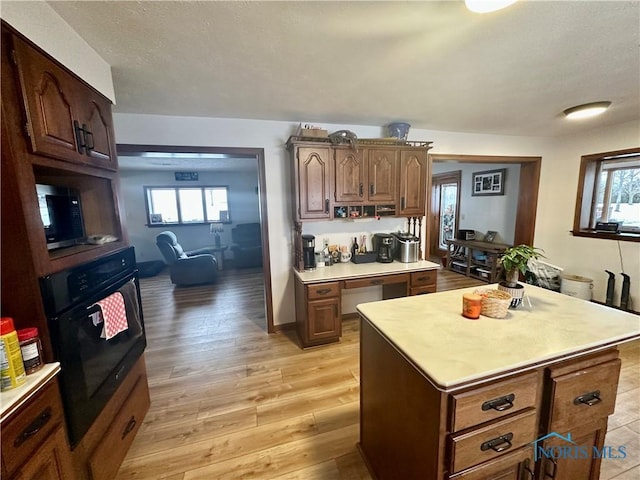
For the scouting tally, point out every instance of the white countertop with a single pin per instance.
(343, 271)
(11, 400)
(453, 351)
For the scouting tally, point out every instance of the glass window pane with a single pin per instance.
(625, 197)
(191, 205)
(448, 200)
(217, 206)
(162, 205)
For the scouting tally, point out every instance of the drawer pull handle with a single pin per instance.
(380, 281)
(34, 427)
(422, 279)
(131, 424)
(500, 404)
(499, 444)
(323, 291)
(589, 399)
(528, 470)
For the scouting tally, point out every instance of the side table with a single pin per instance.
(218, 252)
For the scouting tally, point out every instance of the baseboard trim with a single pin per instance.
(284, 327)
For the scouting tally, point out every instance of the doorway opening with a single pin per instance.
(225, 156)
(527, 199)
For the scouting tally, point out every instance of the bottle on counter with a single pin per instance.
(354, 247)
(31, 349)
(12, 373)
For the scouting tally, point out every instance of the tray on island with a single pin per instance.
(364, 257)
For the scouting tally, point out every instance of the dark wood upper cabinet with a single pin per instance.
(382, 168)
(311, 182)
(64, 118)
(350, 175)
(413, 182)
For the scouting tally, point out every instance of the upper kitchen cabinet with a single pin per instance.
(413, 173)
(64, 118)
(311, 181)
(382, 166)
(350, 175)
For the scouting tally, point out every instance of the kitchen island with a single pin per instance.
(319, 292)
(445, 397)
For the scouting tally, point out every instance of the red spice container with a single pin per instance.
(31, 349)
(471, 305)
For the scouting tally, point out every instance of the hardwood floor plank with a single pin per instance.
(322, 471)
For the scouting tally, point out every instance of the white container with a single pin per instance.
(576, 286)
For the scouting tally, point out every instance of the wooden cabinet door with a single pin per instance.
(324, 319)
(350, 180)
(413, 182)
(52, 461)
(97, 122)
(48, 95)
(381, 175)
(580, 463)
(314, 182)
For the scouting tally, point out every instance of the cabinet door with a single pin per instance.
(577, 460)
(350, 181)
(48, 96)
(413, 182)
(381, 175)
(97, 123)
(314, 174)
(51, 462)
(324, 319)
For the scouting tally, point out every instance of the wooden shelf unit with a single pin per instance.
(460, 258)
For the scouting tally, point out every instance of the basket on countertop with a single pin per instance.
(495, 303)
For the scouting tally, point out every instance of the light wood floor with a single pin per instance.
(229, 401)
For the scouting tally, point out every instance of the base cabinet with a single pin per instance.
(34, 440)
(555, 415)
(318, 313)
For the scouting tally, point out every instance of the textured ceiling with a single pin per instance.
(432, 64)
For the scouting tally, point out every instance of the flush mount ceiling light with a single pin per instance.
(486, 6)
(587, 110)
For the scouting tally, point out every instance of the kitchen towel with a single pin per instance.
(114, 315)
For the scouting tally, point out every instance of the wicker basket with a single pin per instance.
(495, 303)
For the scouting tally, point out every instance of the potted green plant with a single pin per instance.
(515, 261)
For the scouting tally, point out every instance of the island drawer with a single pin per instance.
(510, 465)
(584, 395)
(373, 281)
(428, 277)
(323, 290)
(479, 445)
(493, 401)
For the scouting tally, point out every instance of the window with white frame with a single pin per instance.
(187, 205)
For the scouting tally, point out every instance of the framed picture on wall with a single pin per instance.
(490, 182)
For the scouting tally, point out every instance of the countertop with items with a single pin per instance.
(342, 271)
(452, 350)
(12, 400)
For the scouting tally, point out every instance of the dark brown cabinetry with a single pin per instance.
(34, 441)
(312, 183)
(412, 173)
(493, 430)
(330, 181)
(58, 131)
(318, 313)
(65, 119)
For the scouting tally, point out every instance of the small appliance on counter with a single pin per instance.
(406, 247)
(308, 251)
(383, 246)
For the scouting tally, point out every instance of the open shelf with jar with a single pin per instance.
(363, 211)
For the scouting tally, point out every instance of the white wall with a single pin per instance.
(493, 212)
(43, 26)
(588, 257)
(242, 198)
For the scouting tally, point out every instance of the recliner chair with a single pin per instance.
(187, 268)
(247, 251)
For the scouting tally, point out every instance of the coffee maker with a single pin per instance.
(383, 245)
(308, 251)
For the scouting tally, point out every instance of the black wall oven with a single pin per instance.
(93, 366)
